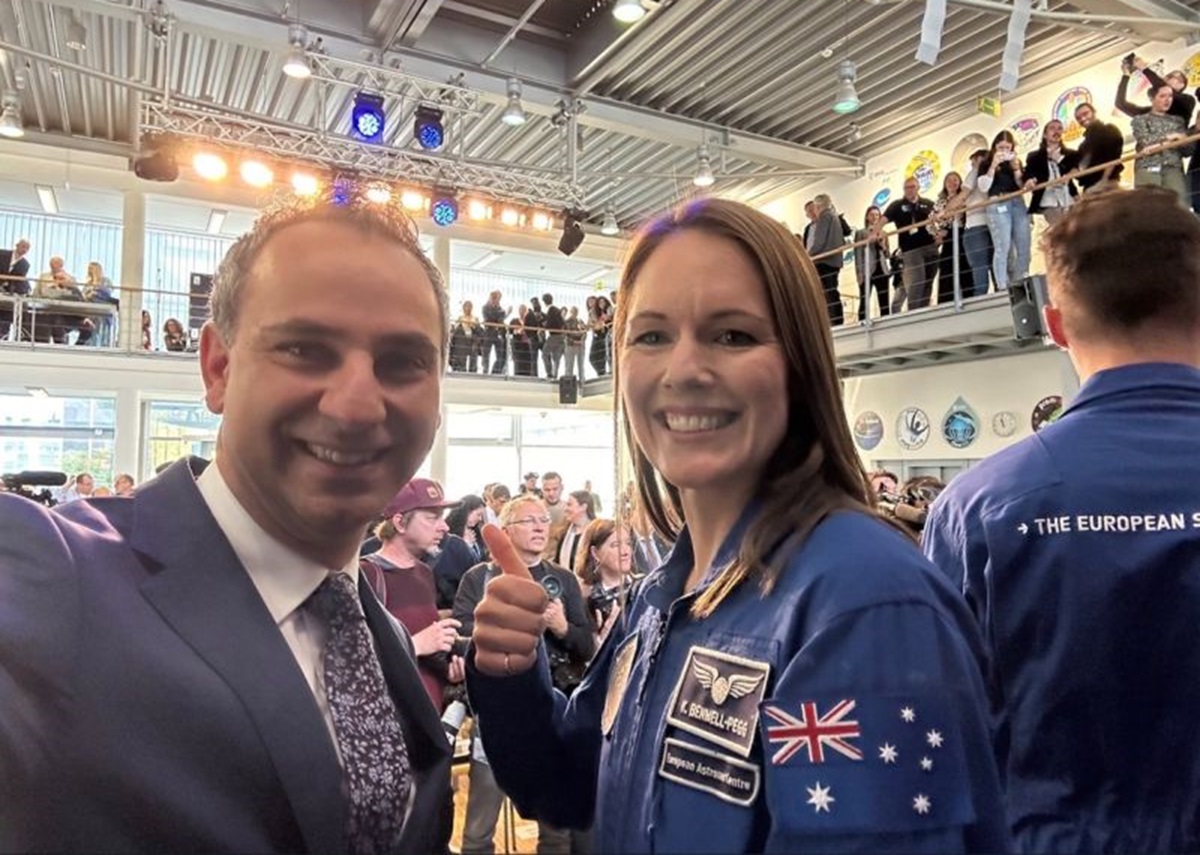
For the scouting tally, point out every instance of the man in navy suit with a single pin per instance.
(162, 660)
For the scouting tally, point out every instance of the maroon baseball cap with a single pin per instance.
(419, 494)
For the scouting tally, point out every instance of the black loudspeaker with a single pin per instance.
(199, 287)
(1026, 298)
(568, 390)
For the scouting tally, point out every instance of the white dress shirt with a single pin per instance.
(284, 579)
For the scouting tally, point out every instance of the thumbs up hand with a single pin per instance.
(510, 620)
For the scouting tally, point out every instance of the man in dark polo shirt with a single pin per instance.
(405, 584)
(919, 252)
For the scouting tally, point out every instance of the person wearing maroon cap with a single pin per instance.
(413, 526)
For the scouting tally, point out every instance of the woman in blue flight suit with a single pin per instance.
(795, 676)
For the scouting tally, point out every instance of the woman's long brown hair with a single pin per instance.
(815, 470)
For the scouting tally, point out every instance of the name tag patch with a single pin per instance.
(717, 698)
(713, 772)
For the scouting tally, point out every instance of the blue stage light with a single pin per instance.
(343, 191)
(367, 118)
(444, 210)
(428, 129)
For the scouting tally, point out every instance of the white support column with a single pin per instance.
(437, 454)
(441, 256)
(133, 255)
(127, 446)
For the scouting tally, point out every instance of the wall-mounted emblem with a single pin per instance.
(912, 428)
(960, 425)
(1046, 411)
(868, 430)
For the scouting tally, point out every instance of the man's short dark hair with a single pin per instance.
(551, 476)
(1127, 259)
(548, 299)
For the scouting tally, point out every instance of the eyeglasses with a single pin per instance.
(542, 520)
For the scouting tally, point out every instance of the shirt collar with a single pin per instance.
(1142, 376)
(284, 578)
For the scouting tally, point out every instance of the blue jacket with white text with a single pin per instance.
(1078, 549)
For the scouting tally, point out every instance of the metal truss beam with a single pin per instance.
(508, 182)
(393, 81)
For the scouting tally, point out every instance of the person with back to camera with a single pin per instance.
(795, 677)
(201, 667)
(1078, 548)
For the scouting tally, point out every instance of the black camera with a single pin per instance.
(553, 586)
(460, 644)
(601, 599)
(22, 483)
(1127, 63)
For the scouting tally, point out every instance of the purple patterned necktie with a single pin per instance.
(369, 736)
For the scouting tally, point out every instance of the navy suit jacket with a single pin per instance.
(149, 702)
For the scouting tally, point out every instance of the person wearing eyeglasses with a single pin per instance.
(569, 646)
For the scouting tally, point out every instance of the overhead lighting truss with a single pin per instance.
(447, 96)
(501, 181)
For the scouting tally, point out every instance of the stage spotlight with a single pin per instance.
(444, 210)
(305, 184)
(541, 221)
(209, 166)
(510, 216)
(379, 193)
(428, 129)
(343, 191)
(414, 200)
(256, 173)
(572, 236)
(367, 118)
(477, 209)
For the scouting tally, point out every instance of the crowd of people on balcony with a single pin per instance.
(993, 242)
(539, 339)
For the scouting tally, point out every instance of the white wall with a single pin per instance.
(1009, 383)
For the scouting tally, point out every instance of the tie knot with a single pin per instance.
(336, 601)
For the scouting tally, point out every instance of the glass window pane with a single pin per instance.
(177, 429)
(576, 466)
(569, 428)
(474, 423)
(59, 434)
(470, 467)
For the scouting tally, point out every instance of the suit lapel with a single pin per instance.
(201, 590)
(428, 828)
(400, 671)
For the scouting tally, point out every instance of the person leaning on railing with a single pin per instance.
(1161, 167)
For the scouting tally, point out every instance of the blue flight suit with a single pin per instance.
(1079, 551)
(843, 711)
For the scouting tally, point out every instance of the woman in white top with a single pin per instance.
(977, 240)
(564, 541)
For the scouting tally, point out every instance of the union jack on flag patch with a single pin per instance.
(813, 733)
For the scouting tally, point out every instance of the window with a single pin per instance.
(77, 241)
(59, 434)
(175, 429)
(171, 259)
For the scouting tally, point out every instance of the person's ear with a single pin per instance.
(1052, 316)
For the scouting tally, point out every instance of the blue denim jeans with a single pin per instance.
(1008, 224)
(977, 242)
